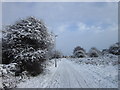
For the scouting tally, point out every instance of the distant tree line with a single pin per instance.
(80, 52)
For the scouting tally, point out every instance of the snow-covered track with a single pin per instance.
(69, 74)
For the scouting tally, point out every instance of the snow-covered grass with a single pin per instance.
(100, 72)
(104, 76)
(105, 67)
(70, 74)
(41, 80)
(8, 78)
(107, 59)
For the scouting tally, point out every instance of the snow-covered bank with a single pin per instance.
(107, 59)
(9, 80)
(102, 76)
(105, 67)
(41, 80)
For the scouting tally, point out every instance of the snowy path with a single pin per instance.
(69, 75)
(66, 77)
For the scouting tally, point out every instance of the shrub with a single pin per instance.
(79, 52)
(27, 43)
(115, 49)
(105, 51)
(94, 52)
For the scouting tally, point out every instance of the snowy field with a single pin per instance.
(69, 74)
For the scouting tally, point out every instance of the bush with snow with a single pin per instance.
(79, 52)
(115, 49)
(105, 51)
(108, 59)
(7, 73)
(94, 52)
(27, 43)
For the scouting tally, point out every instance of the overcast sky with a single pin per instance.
(84, 24)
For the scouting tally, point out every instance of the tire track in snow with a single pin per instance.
(69, 75)
(58, 79)
(79, 79)
(51, 81)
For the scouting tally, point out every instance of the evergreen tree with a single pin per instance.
(27, 42)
